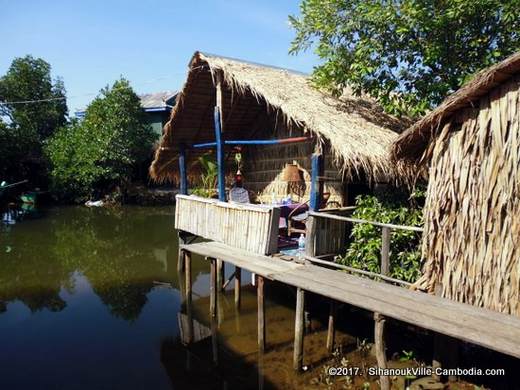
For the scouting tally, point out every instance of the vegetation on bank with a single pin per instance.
(24, 127)
(364, 250)
(99, 154)
(76, 160)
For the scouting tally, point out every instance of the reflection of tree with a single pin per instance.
(27, 273)
(113, 249)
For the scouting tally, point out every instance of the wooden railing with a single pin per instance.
(244, 226)
(386, 229)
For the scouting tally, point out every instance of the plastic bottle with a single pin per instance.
(301, 248)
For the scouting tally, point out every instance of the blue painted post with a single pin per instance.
(316, 185)
(182, 170)
(220, 157)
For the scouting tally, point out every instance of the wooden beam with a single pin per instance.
(183, 178)
(238, 279)
(384, 380)
(299, 329)
(261, 313)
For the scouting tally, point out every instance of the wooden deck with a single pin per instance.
(483, 327)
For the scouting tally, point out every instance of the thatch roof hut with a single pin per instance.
(264, 102)
(471, 147)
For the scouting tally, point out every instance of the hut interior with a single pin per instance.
(258, 102)
(470, 146)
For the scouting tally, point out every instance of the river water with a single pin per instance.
(90, 299)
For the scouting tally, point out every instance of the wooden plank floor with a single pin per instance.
(493, 330)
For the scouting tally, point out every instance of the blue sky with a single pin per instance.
(91, 43)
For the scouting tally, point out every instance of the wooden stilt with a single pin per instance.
(238, 279)
(221, 279)
(331, 331)
(213, 309)
(261, 313)
(180, 259)
(213, 289)
(380, 349)
(298, 330)
(189, 297)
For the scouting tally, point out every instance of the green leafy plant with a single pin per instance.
(27, 126)
(208, 176)
(410, 54)
(97, 156)
(364, 251)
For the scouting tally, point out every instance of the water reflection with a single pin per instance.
(122, 254)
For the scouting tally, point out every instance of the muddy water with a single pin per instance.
(90, 299)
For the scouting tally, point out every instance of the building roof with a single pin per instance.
(358, 131)
(411, 144)
(151, 102)
(157, 99)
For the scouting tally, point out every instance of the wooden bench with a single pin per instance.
(493, 330)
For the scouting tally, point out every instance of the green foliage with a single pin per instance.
(28, 78)
(410, 54)
(364, 251)
(99, 153)
(208, 176)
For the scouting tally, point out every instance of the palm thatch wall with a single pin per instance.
(262, 102)
(472, 224)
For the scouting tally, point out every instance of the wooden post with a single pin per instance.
(183, 179)
(221, 278)
(181, 259)
(213, 309)
(310, 236)
(380, 349)
(298, 330)
(316, 182)
(213, 289)
(189, 297)
(379, 319)
(261, 313)
(331, 327)
(219, 141)
(238, 279)
(385, 250)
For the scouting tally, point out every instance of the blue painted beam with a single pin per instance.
(316, 185)
(253, 142)
(219, 143)
(183, 185)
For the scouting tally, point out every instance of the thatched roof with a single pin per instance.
(411, 144)
(258, 99)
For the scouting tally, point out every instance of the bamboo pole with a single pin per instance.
(261, 313)
(298, 330)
